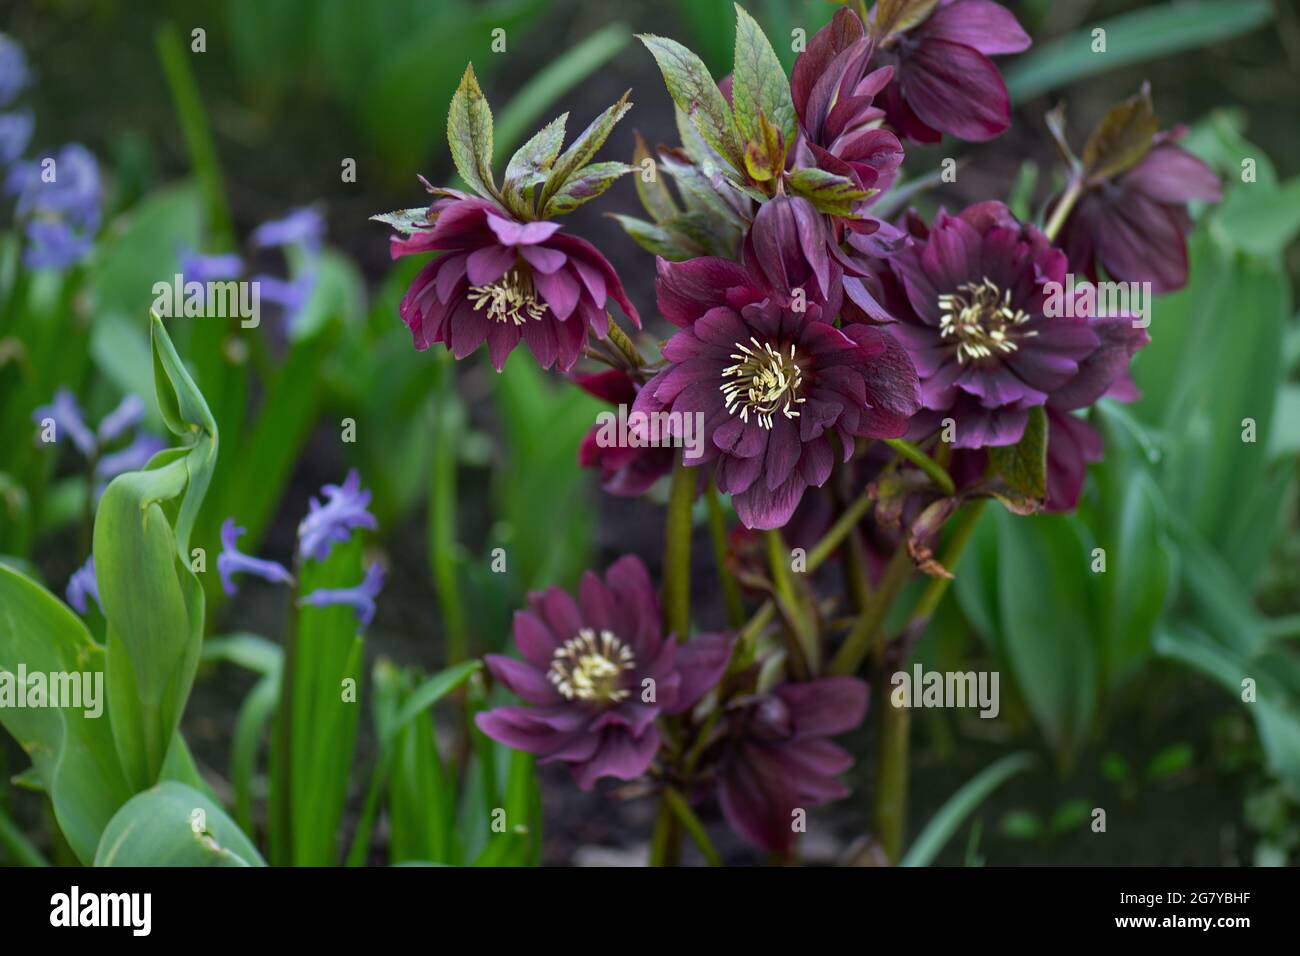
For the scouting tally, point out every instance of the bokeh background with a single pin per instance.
(1126, 686)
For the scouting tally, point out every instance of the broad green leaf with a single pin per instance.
(174, 825)
(73, 755)
(759, 83)
(698, 96)
(1023, 466)
(469, 134)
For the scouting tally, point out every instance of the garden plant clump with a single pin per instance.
(646, 534)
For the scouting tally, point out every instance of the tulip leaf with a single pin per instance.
(760, 87)
(698, 96)
(469, 134)
(174, 825)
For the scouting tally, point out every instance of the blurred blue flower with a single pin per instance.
(290, 295)
(231, 561)
(15, 134)
(344, 509)
(14, 74)
(60, 198)
(68, 418)
(83, 584)
(303, 227)
(361, 598)
(200, 268)
(131, 458)
(128, 414)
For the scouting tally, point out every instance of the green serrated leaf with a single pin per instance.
(531, 164)
(469, 134)
(697, 95)
(1023, 466)
(405, 221)
(759, 84)
(832, 194)
(658, 240)
(584, 186)
(582, 149)
(653, 192)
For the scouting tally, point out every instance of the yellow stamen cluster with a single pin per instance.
(764, 380)
(979, 316)
(511, 298)
(590, 666)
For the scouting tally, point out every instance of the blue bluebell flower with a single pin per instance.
(83, 584)
(15, 134)
(62, 211)
(303, 227)
(290, 294)
(131, 458)
(128, 414)
(231, 561)
(69, 420)
(344, 510)
(14, 74)
(361, 598)
(201, 268)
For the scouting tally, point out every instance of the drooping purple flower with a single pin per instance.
(772, 386)
(214, 268)
(944, 81)
(625, 470)
(303, 227)
(596, 673)
(231, 561)
(83, 584)
(128, 413)
(343, 512)
(777, 756)
(361, 597)
(971, 298)
(68, 419)
(1136, 225)
(14, 74)
(15, 133)
(501, 280)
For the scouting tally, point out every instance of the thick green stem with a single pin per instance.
(1063, 208)
(718, 534)
(923, 461)
(687, 818)
(869, 626)
(677, 552)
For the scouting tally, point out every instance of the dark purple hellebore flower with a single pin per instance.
(625, 470)
(972, 303)
(771, 385)
(1136, 225)
(944, 81)
(777, 756)
(501, 280)
(596, 673)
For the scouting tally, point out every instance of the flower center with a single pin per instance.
(511, 298)
(979, 316)
(590, 666)
(764, 381)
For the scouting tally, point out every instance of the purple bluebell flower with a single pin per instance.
(15, 134)
(67, 418)
(60, 203)
(303, 227)
(201, 268)
(343, 511)
(361, 598)
(231, 561)
(83, 584)
(290, 294)
(128, 414)
(131, 458)
(14, 75)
